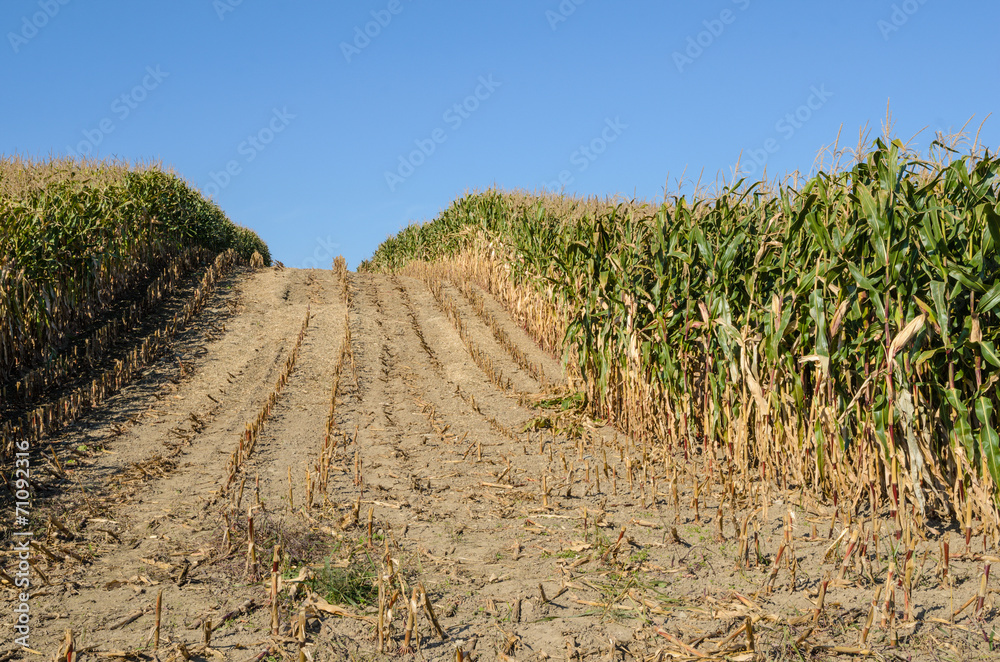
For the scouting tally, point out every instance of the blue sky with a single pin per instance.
(326, 126)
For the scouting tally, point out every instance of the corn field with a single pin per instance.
(836, 338)
(76, 239)
(73, 235)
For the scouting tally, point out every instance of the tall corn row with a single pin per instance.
(54, 414)
(839, 339)
(88, 354)
(79, 239)
(74, 235)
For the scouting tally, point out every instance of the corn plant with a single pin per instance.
(837, 338)
(76, 239)
(76, 234)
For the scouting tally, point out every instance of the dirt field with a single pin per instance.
(536, 534)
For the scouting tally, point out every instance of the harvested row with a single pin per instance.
(475, 299)
(490, 367)
(252, 430)
(483, 360)
(458, 276)
(325, 459)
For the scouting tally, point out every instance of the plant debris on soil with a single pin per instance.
(336, 466)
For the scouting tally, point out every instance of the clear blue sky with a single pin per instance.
(309, 113)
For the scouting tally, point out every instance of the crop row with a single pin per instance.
(75, 235)
(837, 338)
(54, 415)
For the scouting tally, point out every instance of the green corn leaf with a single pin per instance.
(862, 281)
(966, 278)
(868, 205)
(989, 440)
(927, 355)
(817, 311)
(962, 430)
(699, 238)
(880, 418)
(989, 353)
(989, 300)
(992, 213)
(938, 297)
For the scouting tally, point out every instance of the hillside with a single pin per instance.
(456, 462)
(757, 425)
